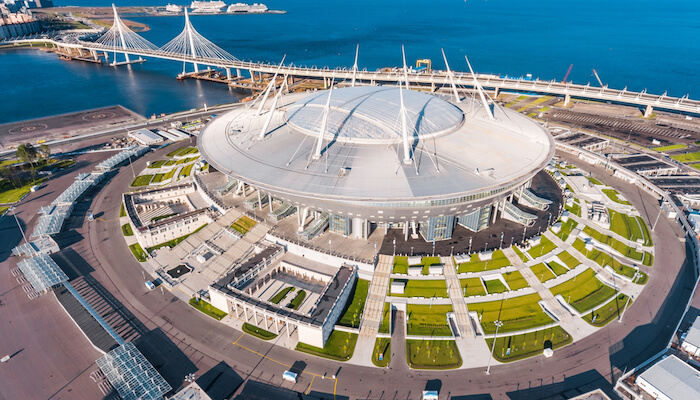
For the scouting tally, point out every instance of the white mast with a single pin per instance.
(118, 24)
(263, 131)
(451, 76)
(188, 29)
(404, 114)
(480, 90)
(354, 67)
(324, 123)
(269, 87)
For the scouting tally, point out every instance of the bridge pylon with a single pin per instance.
(195, 48)
(120, 39)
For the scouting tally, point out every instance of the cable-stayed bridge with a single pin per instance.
(191, 48)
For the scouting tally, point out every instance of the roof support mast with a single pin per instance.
(263, 131)
(480, 90)
(269, 87)
(324, 123)
(404, 114)
(354, 67)
(452, 78)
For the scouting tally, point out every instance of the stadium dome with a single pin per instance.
(463, 166)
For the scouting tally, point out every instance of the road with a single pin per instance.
(179, 340)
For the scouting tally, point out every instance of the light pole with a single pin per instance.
(433, 247)
(451, 250)
(470, 245)
(394, 247)
(18, 225)
(411, 251)
(493, 347)
(132, 167)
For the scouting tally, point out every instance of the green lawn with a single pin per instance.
(122, 211)
(529, 344)
(574, 209)
(386, 319)
(594, 180)
(353, 310)
(185, 171)
(604, 259)
(631, 228)
(9, 194)
(243, 224)
(427, 262)
(645, 257)
(566, 229)
(157, 164)
(423, 288)
(183, 152)
(258, 332)
(401, 264)
(557, 268)
(515, 280)
(157, 178)
(186, 160)
(671, 147)
(472, 287)
(428, 320)
(432, 354)
(3, 210)
(207, 308)
(495, 286)
(543, 248)
(126, 230)
(568, 259)
(613, 195)
(498, 260)
(142, 180)
(584, 291)
(542, 272)
(516, 313)
(339, 347)
(5, 163)
(608, 312)
(687, 157)
(297, 300)
(520, 254)
(174, 242)
(281, 295)
(138, 252)
(381, 346)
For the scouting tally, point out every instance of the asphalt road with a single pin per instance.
(178, 339)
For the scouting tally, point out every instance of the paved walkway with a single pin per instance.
(456, 295)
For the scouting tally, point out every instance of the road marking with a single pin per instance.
(335, 387)
(239, 338)
(275, 361)
(311, 383)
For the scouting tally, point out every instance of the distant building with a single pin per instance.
(146, 137)
(691, 343)
(16, 23)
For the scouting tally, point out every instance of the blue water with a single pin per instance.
(639, 44)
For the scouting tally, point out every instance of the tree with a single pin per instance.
(45, 151)
(26, 153)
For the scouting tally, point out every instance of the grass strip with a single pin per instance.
(339, 346)
(382, 346)
(297, 300)
(138, 252)
(352, 315)
(141, 180)
(427, 320)
(517, 347)
(126, 230)
(243, 224)
(472, 287)
(207, 308)
(516, 313)
(433, 354)
(281, 295)
(258, 332)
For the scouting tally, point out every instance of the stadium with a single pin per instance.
(354, 159)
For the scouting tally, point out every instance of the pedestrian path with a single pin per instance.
(374, 306)
(456, 295)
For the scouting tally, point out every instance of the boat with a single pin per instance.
(213, 6)
(173, 8)
(243, 8)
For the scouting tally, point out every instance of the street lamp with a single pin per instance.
(470, 245)
(411, 251)
(18, 225)
(394, 247)
(493, 347)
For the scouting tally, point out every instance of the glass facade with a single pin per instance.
(438, 228)
(340, 224)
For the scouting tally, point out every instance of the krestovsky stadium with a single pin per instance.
(359, 158)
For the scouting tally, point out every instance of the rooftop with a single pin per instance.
(674, 378)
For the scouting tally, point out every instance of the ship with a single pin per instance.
(242, 8)
(173, 8)
(213, 6)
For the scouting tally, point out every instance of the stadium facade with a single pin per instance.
(356, 158)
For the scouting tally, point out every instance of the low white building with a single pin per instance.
(398, 287)
(145, 137)
(691, 343)
(670, 379)
(415, 270)
(436, 269)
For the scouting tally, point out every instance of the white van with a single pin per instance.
(289, 376)
(150, 285)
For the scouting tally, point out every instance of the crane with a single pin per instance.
(598, 78)
(567, 73)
